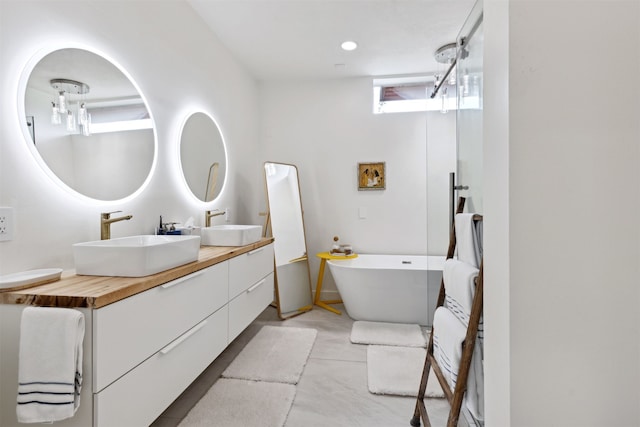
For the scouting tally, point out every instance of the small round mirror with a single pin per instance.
(89, 125)
(203, 157)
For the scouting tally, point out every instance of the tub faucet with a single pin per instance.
(210, 214)
(106, 221)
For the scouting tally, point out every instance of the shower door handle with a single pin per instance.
(452, 197)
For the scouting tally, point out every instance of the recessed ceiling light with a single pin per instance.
(349, 45)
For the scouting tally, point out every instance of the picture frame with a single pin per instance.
(372, 176)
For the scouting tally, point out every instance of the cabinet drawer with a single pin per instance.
(140, 396)
(247, 269)
(129, 331)
(244, 308)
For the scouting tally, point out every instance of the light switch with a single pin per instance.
(362, 212)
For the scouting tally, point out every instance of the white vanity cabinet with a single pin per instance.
(154, 344)
(148, 348)
(142, 350)
(143, 394)
(250, 287)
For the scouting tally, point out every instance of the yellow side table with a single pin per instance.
(324, 256)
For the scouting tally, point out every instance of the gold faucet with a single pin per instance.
(210, 214)
(106, 221)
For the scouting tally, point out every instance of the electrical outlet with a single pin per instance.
(6, 224)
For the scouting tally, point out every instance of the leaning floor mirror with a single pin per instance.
(285, 218)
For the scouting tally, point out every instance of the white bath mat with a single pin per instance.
(398, 370)
(276, 354)
(381, 333)
(242, 403)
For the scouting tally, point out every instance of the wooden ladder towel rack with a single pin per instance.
(456, 396)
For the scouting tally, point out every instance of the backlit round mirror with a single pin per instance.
(89, 124)
(203, 157)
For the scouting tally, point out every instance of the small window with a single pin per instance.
(402, 93)
(410, 94)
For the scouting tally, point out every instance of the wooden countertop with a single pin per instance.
(74, 290)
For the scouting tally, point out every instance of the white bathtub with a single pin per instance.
(389, 288)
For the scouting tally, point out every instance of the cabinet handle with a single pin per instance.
(255, 251)
(182, 338)
(256, 286)
(181, 279)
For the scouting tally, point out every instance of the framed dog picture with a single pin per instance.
(371, 176)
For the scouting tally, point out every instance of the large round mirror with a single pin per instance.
(203, 157)
(89, 124)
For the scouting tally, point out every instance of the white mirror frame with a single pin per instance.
(28, 68)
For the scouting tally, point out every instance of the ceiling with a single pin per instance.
(300, 39)
(105, 80)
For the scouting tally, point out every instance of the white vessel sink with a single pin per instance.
(230, 235)
(135, 256)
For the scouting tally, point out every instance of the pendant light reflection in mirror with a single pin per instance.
(88, 125)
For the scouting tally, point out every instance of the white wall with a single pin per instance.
(562, 323)
(496, 242)
(179, 66)
(326, 128)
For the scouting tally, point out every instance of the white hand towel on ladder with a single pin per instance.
(468, 239)
(448, 335)
(50, 364)
(459, 281)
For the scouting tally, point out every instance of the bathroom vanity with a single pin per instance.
(146, 338)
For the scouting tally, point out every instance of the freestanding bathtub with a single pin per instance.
(389, 288)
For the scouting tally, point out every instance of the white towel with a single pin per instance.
(459, 283)
(468, 239)
(50, 364)
(448, 335)
(474, 398)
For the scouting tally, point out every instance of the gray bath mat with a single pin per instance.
(397, 371)
(241, 403)
(381, 333)
(276, 354)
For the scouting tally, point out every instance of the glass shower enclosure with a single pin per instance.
(469, 114)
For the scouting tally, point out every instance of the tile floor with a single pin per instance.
(333, 388)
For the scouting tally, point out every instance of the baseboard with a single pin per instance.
(328, 295)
